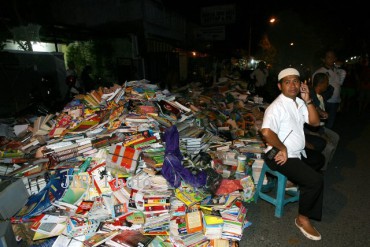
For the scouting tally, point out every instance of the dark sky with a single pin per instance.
(342, 26)
(323, 22)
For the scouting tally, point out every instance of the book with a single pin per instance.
(84, 207)
(91, 101)
(189, 196)
(84, 126)
(115, 207)
(213, 220)
(122, 194)
(40, 202)
(62, 122)
(99, 238)
(194, 221)
(96, 95)
(77, 226)
(127, 238)
(48, 122)
(77, 189)
(48, 226)
(100, 177)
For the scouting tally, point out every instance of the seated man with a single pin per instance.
(320, 85)
(282, 128)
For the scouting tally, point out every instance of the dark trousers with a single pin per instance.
(310, 182)
(331, 109)
(316, 141)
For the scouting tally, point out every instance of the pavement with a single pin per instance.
(346, 206)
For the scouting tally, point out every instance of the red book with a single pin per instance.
(84, 207)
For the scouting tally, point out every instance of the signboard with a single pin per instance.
(218, 15)
(210, 33)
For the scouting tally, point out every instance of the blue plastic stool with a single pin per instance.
(282, 197)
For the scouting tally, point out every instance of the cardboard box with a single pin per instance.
(256, 171)
(7, 238)
(13, 197)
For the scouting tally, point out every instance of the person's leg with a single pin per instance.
(318, 142)
(333, 139)
(310, 185)
(328, 153)
(331, 109)
(315, 159)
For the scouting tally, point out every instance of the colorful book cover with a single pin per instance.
(132, 238)
(77, 189)
(99, 238)
(40, 202)
(84, 207)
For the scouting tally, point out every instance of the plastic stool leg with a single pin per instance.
(260, 183)
(280, 196)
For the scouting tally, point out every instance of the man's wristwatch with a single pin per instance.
(309, 102)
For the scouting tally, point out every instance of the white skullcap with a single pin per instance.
(286, 72)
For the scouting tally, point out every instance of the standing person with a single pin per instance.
(87, 82)
(336, 78)
(71, 69)
(349, 88)
(72, 82)
(364, 87)
(284, 119)
(259, 75)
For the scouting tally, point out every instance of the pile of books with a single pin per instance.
(234, 221)
(155, 204)
(110, 142)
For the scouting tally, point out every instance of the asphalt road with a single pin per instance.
(346, 208)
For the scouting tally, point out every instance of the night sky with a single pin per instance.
(311, 25)
(341, 26)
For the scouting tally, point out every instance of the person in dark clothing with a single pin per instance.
(87, 82)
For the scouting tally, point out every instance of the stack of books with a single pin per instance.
(212, 226)
(43, 124)
(155, 205)
(65, 150)
(192, 145)
(153, 157)
(233, 221)
(195, 239)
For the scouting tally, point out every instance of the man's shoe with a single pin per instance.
(313, 236)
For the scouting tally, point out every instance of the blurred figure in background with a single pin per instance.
(87, 82)
(336, 78)
(364, 87)
(320, 84)
(259, 76)
(349, 87)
